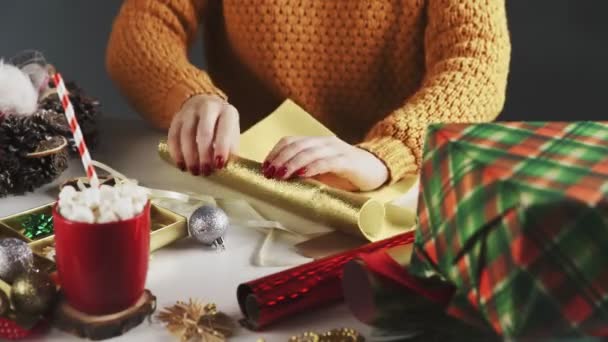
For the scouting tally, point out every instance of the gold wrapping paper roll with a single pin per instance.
(352, 213)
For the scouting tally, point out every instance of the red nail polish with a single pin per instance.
(301, 172)
(207, 170)
(265, 166)
(219, 162)
(281, 172)
(181, 166)
(195, 170)
(269, 173)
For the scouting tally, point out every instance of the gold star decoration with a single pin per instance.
(196, 322)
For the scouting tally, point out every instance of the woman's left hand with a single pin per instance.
(315, 156)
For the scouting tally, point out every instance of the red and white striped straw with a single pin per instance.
(76, 132)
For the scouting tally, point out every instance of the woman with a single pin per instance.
(375, 72)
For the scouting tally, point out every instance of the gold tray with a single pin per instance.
(166, 228)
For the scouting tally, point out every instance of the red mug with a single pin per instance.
(102, 266)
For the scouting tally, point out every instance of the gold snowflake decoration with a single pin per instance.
(194, 321)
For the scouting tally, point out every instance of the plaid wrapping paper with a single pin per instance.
(515, 216)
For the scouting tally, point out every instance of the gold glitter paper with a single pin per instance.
(366, 215)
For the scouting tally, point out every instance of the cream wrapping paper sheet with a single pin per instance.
(369, 216)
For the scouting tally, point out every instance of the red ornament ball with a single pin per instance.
(11, 331)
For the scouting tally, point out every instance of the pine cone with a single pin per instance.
(6, 183)
(55, 121)
(9, 167)
(35, 172)
(21, 134)
(87, 111)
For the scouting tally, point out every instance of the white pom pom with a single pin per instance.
(38, 74)
(17, 93)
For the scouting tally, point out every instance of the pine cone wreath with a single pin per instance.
(34, 149)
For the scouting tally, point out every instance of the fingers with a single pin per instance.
(335, 164)
(294, 154)
(173, 140)
(308, 149)
(300, 163)
(225, 133)
(278, 147)
(205, 134)
(188, 145)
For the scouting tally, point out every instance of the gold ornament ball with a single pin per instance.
(5, 304)
(33, 293)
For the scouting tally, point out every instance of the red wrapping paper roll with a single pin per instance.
(302, 288)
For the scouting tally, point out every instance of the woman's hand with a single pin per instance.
(317, 156)
(203, 134)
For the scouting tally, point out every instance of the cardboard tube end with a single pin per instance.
(371, 219)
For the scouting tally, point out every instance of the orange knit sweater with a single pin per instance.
(376, 72)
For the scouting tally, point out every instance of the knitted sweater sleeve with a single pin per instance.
(467, 54)
(147, 56)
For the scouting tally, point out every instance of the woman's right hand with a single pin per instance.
(203, 134)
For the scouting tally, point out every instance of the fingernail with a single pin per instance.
(181, 166)
(195, 170)
(269, 173)
(281, 172)
(265, 166)
(301, 172)
(207, 170)
(219, 162)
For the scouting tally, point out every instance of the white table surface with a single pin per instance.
(185, 270)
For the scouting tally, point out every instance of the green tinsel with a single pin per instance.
(37, 226)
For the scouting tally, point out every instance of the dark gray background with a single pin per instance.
(558, 72)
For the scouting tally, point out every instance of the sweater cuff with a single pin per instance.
(398, 158)
(179, 93)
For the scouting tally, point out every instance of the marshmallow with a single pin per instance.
(124, 208)
(66, 210)
(139, 205)
(107, 193)
(106, 216)
(67, 194)
(81, 213)
(91, 197)
(102, 205)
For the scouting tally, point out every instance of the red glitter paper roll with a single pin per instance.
(302, 288)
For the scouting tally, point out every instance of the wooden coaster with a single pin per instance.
(97, 328)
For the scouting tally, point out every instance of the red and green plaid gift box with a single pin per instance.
(515, 216)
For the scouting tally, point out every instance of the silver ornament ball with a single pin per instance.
(15, 258)
(208, 224)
